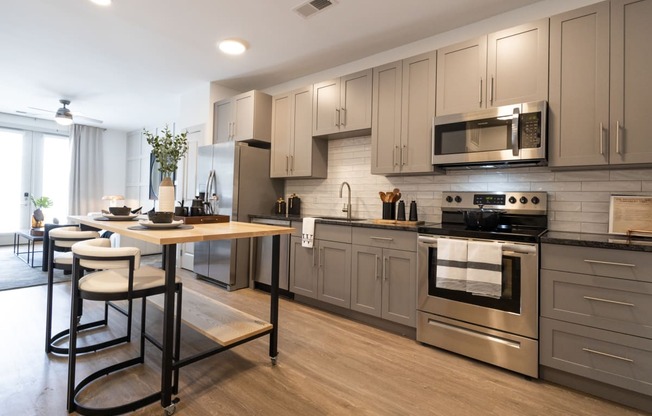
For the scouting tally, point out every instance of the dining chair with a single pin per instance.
(119, 276)
(60, 258)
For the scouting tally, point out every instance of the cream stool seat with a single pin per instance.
(120, 277)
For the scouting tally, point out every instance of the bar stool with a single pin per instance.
(120, 277)
(60, 241)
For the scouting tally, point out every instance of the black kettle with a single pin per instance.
(197, 207)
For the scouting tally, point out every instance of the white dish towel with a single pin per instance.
(308, 232)
(484, 268)
(451, 264)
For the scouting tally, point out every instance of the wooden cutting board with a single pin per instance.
(398, 223)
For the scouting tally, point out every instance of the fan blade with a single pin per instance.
(42, 110)
(89, 119)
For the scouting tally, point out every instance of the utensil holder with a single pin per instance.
(389, 210)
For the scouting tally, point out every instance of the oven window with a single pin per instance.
(510, 299)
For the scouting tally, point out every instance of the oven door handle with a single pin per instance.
(514, 248)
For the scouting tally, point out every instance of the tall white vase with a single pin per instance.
(166, 196)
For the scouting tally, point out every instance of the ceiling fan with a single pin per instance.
(64, 116)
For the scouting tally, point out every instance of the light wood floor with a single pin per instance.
(327, 365)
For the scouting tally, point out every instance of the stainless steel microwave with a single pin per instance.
(502, 135)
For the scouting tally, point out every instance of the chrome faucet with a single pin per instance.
(347, 206)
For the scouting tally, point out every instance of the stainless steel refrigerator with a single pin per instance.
(234, 177)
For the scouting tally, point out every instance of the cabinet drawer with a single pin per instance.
(328, 232)
(602, 302)
(617, 359)
(623, 264)
(397, 240)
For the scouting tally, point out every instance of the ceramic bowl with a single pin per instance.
(160, 217)
(120, 210)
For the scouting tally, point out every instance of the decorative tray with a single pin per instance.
(204, 219)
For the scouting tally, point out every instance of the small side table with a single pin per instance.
(31, 245)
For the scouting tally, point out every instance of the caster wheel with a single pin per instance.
(273, 360)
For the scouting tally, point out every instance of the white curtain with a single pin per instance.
(86, 170)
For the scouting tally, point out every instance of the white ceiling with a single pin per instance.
(129, 63)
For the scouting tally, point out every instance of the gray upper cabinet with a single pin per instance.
(631, 89)
(599, 69)
(247, 116)
(342, 105)
(294, 152)
(403, 105)
(505, 67)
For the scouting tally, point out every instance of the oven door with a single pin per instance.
(516, 311)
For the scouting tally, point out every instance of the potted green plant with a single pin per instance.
(168, 149)
(39, 203)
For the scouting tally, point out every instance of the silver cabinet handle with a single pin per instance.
(377, 268)
(343, 116)
(287, 163)
(395, 152)
(609, 263)
(321, 251)
(314, 249)
(382, 238)
(404, 158)
(601, 138)
(291, 163)
(480, 98)
(337, 117)
(616, 302)
(491, 96)
(618, 136)
(385, 267)
(235, 129)
(629, 360)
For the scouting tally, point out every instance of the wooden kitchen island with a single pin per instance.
(169, 238)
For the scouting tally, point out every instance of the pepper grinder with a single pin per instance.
(413, 211)
(401, 211)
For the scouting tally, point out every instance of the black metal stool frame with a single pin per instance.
(74, 390)
(51, 340)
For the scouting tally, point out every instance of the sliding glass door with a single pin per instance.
(31, 164)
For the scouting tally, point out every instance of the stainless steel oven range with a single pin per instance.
(478, 272)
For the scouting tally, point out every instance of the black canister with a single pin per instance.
(413, 211)
(400, 215)
(294, 205)
(279, 207)
(389, 210)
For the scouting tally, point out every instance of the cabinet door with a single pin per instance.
(222, 121)
(301, 151)
(461, 77)
(355, 101)
(334, 265)
(631, 89)
(303, 278)
(386, 127)
(366, 283)
(517, 64)
(326, 107)
(281, 135)
(243, 118)
(400, 286)
(579, 87)
(418, 110)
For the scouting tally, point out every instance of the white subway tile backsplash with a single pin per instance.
(577, 200)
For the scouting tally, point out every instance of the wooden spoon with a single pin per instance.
(390, 196)
(382, 196)
(397, 196)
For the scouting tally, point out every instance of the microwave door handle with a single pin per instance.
(515, 118)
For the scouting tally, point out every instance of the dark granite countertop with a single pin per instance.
(355, 223)
(597, 240)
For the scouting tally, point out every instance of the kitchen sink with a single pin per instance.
(344, 219)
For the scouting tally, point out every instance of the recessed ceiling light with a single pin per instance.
(102, 2)
(233, 46)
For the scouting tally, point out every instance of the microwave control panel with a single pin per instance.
(530, 130)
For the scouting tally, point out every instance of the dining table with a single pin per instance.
(168, 238)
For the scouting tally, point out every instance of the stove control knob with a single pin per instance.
(458, 199)
(535, 200)
(523, 200)
(449, 199)
(512, 200)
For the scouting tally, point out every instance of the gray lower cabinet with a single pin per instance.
(596, 314)
(383, 280)
(323, 272)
